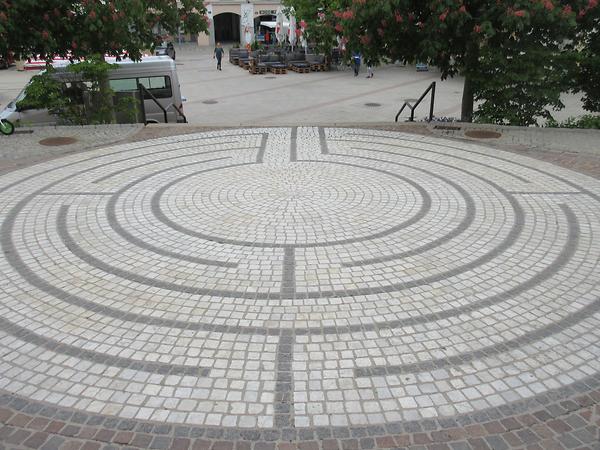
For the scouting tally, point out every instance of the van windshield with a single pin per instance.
(13, 104)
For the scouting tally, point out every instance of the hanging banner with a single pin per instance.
(247, 19)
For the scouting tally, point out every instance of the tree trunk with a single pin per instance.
(466, 113)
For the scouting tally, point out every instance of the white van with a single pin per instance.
(156, 73)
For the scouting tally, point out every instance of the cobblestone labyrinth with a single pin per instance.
(297, 278)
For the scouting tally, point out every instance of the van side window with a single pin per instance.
(160, 87)
(123, 85)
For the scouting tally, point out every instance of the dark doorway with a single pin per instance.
(227, 27)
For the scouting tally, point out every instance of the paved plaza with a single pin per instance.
(235, 97)
(299, 288)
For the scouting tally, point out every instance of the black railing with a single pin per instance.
(179, 111)
(413, 107)
(144, 91)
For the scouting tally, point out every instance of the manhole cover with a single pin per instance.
(210, 102)
(57, 141)
(482, 134)
(270, 78)
(372, 104)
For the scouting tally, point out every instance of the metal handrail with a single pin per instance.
(179, 111)
(413, 107)
(144, 90)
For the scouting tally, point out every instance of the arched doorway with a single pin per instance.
(227, 27)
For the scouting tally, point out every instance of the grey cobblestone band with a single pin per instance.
(97, 357)
(323, 141)
(288, 281)
(294, 145)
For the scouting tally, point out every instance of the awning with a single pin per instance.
(273, 24)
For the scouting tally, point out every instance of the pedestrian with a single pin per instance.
(356, 62)
(369, 69)
(219, 55)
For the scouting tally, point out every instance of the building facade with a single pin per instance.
(238, 22)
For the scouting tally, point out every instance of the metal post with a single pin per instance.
(142, 105)
(432, 101)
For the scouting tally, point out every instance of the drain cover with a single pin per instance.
(57, 141)
(271, 78)
(210, 102)
(482, 134)
(372, 104)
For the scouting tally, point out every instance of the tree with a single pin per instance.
(318, 20)
(79, 28)
(587, 48)
(512, 53)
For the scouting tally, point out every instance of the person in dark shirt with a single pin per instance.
(356, 62)
(218, 54)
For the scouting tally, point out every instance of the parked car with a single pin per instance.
(166, 48)
(6, 61)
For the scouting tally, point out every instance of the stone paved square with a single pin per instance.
(312, 287)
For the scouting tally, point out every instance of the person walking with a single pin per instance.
(369, 69)
(356, 62)
(219, 55)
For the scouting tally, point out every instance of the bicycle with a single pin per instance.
(6, 127)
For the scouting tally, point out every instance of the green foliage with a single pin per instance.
(514, 54)
(78, 28)
(44, 91)
(81, 96)
(587, 121)
(517, 85)
(318, 15)
(94, 71)
(587, 48)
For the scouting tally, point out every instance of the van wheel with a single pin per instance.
(148, 122)
(6, 127)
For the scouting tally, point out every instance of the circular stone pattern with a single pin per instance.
(297, 205)
(299, 281)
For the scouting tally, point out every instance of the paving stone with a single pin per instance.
(53, 443)
(36, 440)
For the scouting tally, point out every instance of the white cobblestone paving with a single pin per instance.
(372, 276)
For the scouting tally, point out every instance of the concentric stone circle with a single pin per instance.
(293, 278)
(297, 205)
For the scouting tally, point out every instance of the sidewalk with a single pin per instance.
(28, 145)
(569, 148)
